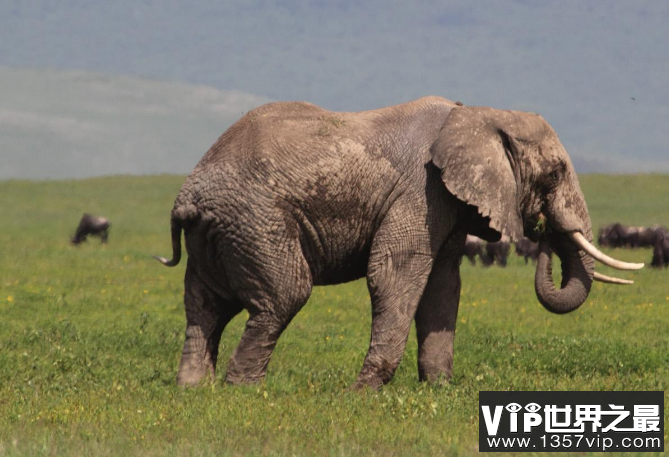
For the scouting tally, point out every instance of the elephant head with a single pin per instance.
(512, 167)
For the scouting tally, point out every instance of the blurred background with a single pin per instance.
(145, 87)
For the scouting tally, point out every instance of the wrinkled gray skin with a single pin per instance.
(91, 225)
(293, 196)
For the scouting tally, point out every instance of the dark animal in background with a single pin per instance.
(623, 236)
(91, 225)
(649, 235)
(528, 249)
(661, 251)
(473, 247)
(496, 252)
(615, 236)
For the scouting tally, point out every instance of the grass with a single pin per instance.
(90, 340)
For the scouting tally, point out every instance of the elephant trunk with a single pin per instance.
(578, 269)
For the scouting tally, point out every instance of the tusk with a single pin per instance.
(579, 239)
(610, 280)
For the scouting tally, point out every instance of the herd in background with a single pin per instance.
(497, 252)
(623, 236)
(614, 235)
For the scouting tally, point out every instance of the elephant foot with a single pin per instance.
(438, 378)
(435, 373)
(243, 380)
(374, 376)
(195, 370)
(194, 378)
(244, 370)
(360, 386)
(197, 366)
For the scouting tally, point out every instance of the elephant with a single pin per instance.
(527, 249)
(293, 195)
(497, 251)
(473, 247)
(91, 225)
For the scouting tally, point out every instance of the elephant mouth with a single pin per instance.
(577, 256)
(536, 226)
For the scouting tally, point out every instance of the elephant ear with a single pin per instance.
(476, 152)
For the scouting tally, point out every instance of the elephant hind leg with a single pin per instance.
(274, 297)
(207, 314)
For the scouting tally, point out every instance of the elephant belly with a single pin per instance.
(337, 250)
(340, 271)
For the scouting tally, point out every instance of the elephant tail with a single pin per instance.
(176, 246)
(181, 214)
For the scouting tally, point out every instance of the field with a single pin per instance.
(90, 340)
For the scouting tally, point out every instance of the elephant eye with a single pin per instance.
(554, 176)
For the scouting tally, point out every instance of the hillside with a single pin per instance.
(56, 124)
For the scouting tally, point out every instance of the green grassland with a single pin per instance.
(90, 339)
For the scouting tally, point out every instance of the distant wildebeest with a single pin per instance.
(622, 236)
(527, 248)
(473, 247)
(616, 235)
(661, 251)
(496, 252)
(649, 235)
(91, 225)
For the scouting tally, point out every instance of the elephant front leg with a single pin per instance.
(396, 284)
(206, 317)
(436, 318)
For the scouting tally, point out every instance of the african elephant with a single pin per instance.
(91, 225)
(292, 196)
